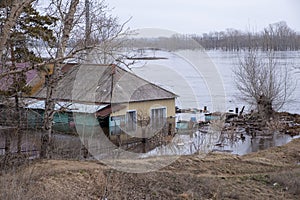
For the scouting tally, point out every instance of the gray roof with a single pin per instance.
(105, 84)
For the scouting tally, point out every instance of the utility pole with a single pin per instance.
(87, 23)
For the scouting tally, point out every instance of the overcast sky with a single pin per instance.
(199, 16)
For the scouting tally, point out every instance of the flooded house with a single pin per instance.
(120, 102)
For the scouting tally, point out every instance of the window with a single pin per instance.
(131, 120)
(117, 124)
(158, 118)
(117, 120)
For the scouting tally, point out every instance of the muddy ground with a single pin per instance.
(268, 174)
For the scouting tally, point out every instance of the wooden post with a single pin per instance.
(85, 149)
(118, 139)
(7, 134)
(7, 141)
(170, 129)
(242, 111)
(19, 141)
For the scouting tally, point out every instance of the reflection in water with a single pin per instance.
(202, 142)
(261, 143)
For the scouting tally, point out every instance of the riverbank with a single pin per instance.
(269, 174)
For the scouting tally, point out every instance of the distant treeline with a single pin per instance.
(277, 37)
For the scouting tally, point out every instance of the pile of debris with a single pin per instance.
(281, 122)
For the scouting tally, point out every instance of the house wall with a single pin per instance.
(39, 80)
(65, 122)
(144, 109)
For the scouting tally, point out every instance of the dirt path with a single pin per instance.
(268, 174)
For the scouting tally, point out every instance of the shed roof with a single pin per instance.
(67, 106)
(105, 84)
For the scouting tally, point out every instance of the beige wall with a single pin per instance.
(146, 107)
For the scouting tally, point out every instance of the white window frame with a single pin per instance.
(164, 116)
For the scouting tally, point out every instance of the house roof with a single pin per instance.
(105, 84)
(104, 112)
(7, 81)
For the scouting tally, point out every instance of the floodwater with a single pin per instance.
(66, 146)
(196, 77)
(200, 79)
(203, 142)
(206, 78)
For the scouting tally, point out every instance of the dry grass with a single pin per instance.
(270, 174)
(53, 180)
(14, 185)
(287, 181)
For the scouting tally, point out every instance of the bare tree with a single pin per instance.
(143, 120)
(279, 37)
(67, 23)
(263, 82)
(75, 42)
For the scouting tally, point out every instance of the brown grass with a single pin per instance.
(269, 174)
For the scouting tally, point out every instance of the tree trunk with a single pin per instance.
(17, 107)
(52, 82)
(48, 118)
(264, 107)
(18, 119)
